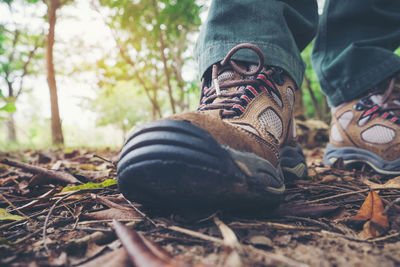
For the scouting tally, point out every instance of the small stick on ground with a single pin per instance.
(350, 193)
(383, 237)
(309, 220)
(391, 204)
(38, 200)
(279, 258)
(48, 216)
(273, 225)
(141, 213)
(5, 226)
(104, 159)
(56, 175)
(15, 208)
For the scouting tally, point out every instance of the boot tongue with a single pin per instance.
(393, 101)
(228, 74)
(231, 75)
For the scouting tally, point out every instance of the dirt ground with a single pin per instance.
(51, 224)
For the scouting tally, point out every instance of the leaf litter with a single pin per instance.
(334, 217)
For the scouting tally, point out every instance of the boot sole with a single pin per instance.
(352, 156)
(171, 163)
(293, 163)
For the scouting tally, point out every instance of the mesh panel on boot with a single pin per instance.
(345, 119)
(335, 134)
(270, 120)
(378, 134)
(290, 96)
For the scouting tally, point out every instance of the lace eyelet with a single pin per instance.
(359, 107)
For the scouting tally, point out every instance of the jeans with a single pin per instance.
(353, 48)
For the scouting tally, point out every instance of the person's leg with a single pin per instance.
(354, 46)
(281, 29)
(237, 148)
(354, 60)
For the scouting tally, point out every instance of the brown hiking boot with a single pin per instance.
(367, 130)
(229, 153)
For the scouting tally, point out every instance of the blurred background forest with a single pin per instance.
(83, 73)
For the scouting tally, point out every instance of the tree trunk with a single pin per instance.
(11, 132)
(56, 130)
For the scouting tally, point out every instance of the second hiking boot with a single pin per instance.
(232, 153)
(366, 130)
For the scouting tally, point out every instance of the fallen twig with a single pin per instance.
(195, 234)
(48, 216)
(108, 203)
(15, 208)
(391, 204)
(5, 226)
(56, 175)
(97, 237)
(39, 199)
(106, 160)
(141, 213)
(309, 220)
(350, 193)
(383, 237)
(279, 226)
(278, 258)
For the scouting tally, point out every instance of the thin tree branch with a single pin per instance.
(128, 60)
(313, 98)
(25, 67)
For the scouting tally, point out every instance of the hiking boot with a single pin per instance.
(230, 153)
(366, 130)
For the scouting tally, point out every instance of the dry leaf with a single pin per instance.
(5, 216)
(392, 183)
(365, 212)
(370, 231)
(117, 257)
(260, 240)
(110, 214)
(87, 167)
(371, 211)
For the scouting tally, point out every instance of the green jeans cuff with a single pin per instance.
(362, 83)
(273, 56)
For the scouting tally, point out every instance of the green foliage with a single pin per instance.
(120, 105)
(9, 107)
(5, 216)
(90, 185)
(19, 51)
(5, 106)
(152, 39)
(311, 81)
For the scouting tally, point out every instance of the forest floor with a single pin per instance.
(44, 222)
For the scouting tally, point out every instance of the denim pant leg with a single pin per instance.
(281, 29)
(353, 50)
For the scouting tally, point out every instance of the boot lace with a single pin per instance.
(253, 82)
(383, 108)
